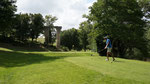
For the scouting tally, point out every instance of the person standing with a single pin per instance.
(109, 48)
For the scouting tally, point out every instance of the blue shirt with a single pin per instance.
(109, 45)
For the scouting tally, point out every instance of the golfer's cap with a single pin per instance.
(105, 37)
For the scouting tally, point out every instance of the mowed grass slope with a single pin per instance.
(19, 67)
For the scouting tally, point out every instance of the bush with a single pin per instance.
(64, 48)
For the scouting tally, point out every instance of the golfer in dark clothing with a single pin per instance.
(109, 48)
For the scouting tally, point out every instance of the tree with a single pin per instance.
(70, 39)
(145, 5)
(49, 21)
(7, 9)
(21, 27)
(37, 25)
(122, 20)
(84, 30)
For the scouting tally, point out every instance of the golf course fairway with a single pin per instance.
(22, 67)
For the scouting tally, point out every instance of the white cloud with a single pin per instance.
(68, 12)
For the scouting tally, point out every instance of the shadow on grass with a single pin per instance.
(17, 59)
(27, 48)
(118, 61)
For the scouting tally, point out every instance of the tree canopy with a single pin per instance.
(122, 21)
(7, 10)
(70, 39)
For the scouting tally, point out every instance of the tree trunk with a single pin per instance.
(32, 39)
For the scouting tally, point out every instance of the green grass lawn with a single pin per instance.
(20, 67)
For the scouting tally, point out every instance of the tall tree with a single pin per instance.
(49, 21)
(122, 20)
(21, 27)
(37, 25)
(145, 5)
(84, 30)
(70, 39)
(7, 9)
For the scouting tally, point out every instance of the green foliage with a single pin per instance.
(92, 39)
(84, 30)
(27, 26)
(37, 25)
(21, 27)
(148, 34)
(49, 21)
(64, 48)
(70, 39)
(7, 9)
(122, 20)
(145, 5)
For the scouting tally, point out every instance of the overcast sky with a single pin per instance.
(68, 12)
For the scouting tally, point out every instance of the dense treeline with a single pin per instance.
(125, 22)
(27, 26)
(70, 39)
(22, 27)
